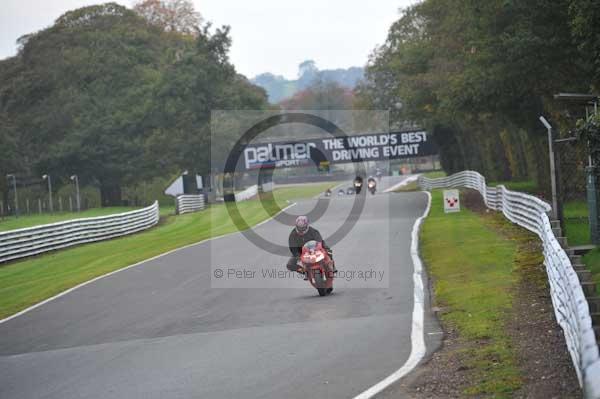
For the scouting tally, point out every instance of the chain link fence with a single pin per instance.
(571, 162)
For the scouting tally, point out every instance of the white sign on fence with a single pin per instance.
(451, 201)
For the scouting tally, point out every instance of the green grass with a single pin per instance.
(302, 191)
(576, 223)
(526, 186)
(471, 265)
(413, 186)
(592, 261)
(27, 282)
(167, 210)
(575, 213)
(435, 174)
(12, 223)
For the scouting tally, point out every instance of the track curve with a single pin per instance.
(160, 331)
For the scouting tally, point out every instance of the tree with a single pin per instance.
(9, 154)
(320, 95)
(171, 15)
(478, 74)
(584, 17)
(107, 96)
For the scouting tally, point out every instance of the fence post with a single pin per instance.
(60, 204)
(500, 198)
(27, 205)
(39, 206)
(71, 203)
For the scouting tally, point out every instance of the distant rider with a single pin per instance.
(300, 235)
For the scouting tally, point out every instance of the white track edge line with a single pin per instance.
(60, 294)
(417, 336)
(404, 182)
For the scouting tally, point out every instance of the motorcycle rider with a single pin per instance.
(371, 184)
(358, 182)
(300, 235)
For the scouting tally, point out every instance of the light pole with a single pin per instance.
(47, 177)
(552, 167)
(77, 200)
(14, 179)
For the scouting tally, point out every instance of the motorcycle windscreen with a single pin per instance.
(311, 245)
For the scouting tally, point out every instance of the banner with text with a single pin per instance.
(323, 151)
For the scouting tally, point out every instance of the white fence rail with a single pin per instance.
(21, 243)
(570, 305)
(189, 203)
(268, 187)
(246, 194)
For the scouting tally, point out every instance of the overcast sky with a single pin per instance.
(268, 35)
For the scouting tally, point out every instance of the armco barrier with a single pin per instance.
(20, 243)
(246, 194)
(189, 203)
(570, 306)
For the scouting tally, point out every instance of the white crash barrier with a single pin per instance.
(21, 243)
(570, 305)
(247, 193)
(189, 203)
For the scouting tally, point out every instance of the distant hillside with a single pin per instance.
(278, 88)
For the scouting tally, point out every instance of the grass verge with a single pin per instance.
(413, 186)
(471, 265)
(592, 261)
(32, 280)
(576, 222)
(575, 213)
(526, 186)
(12, 223)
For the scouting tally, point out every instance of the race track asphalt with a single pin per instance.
(159, 330)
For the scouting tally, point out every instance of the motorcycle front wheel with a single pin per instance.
(320, 282)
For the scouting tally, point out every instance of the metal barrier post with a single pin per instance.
(592, 200)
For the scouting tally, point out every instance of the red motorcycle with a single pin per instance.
(318, 266)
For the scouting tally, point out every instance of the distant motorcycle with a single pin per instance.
(318, 266)
(328, 192)
(358, 182)
(372, 185)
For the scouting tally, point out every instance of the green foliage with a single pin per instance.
(115, 99)
(589, 130)
(585, 15)
(478, 74)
